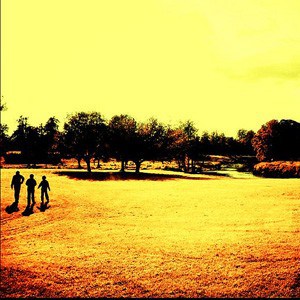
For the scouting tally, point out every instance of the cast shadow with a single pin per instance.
(12, 208)
(28, 210)
(102, 176)
(43, 206)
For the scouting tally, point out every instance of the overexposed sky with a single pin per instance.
(224, 64)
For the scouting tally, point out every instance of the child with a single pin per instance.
(44, 191)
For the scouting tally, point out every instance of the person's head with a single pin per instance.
(18, 173)
(44, 177)
(31, 176)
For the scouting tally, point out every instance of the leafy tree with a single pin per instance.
(218, 143)
(51, 139)
(2, 105)
(4, 140)
(287, 140)
(19, 137)
(244, 138)
(277, 141)
(82, 135)
(150, 143)
(122, 138)
(186, 145)
(27, 139)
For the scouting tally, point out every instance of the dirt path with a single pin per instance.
(172, 238)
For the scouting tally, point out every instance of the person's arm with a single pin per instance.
(40, 185)
(48, 186)
(22, 179)
(12, 183)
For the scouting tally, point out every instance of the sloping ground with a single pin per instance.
(151, 238)
(278, 169)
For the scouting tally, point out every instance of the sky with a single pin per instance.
(223, 64)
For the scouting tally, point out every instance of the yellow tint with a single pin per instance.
(224, 64)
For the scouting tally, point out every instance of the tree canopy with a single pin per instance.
(88, 135)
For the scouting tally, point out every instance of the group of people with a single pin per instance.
(18, 180)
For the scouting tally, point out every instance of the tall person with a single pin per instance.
(31, 183)
(16, 183)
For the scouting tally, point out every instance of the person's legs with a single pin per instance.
(28, 198)
(47, 196)
(32, 194)
(42, 196)
(17, 193)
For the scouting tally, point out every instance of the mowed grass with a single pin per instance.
(142, 238)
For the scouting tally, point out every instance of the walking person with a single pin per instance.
(44, 185)
(31, 183)
(16, 183)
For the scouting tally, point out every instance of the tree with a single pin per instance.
(244, 138)
(149, 143)
(83, 135)
(3, 132)
(3, 139)
(186, 145)
(2, 105)
(51, 139)
(122, 138)
(19, 137)
(28, 139)
(277, 141)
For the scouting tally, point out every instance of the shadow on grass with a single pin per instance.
(125, 176)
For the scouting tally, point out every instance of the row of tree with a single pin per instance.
(86, 136)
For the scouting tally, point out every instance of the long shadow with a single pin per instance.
(12, 208)
(28, 210)
(102, 176)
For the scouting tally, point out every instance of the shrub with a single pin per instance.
(278, 169)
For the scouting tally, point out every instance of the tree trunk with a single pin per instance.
(122, 166)
(78, 161)
(88, 164)
(185, 162)
(98, 165)
(188, 164)
(137, 166)
(193, 167)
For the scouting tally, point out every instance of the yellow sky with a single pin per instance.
(224, 64)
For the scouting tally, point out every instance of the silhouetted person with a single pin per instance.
(44, 185)
(16, 182)
(31, 183)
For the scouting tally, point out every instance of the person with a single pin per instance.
(16, 183)
(44, 190)
(31, 183)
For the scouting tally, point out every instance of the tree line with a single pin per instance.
(89, 136)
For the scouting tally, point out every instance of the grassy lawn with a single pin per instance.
(153, 238)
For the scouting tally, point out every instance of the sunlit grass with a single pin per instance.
(179, 237)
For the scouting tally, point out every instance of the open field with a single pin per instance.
(153, 238)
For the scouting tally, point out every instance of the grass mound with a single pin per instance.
(278, 169)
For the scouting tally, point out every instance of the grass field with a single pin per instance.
(153, 238)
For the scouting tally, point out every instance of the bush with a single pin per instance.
(278, 169)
